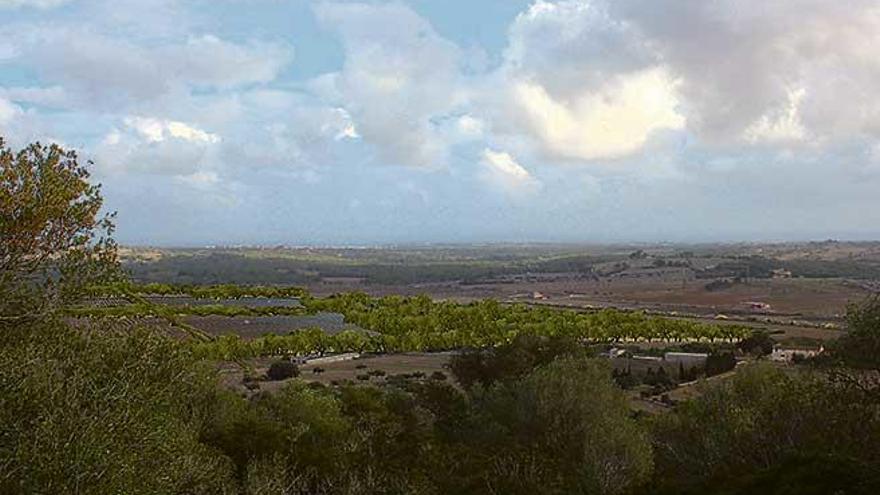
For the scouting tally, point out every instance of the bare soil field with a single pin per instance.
(390, 364)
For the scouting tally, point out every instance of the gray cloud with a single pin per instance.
(106, 71)
(741, 61)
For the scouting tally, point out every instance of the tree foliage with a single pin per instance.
(760, 421)
(104, 410)
(53, 241)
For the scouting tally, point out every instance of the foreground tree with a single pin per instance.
(90, 408)
(859, 348)
(767, 428)
(53, 241)
(93, 411)
(563, 429)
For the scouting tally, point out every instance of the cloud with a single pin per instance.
(593, 79)
(8, 111)
(40, 4)
(740, 63)
(612, 121)
(781, 125)
(503, 170)
(156, 146)
(108, 71)
(572, 47)
(398, 80)
(156, 130)
(54, 96)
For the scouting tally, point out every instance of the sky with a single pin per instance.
(224, 122)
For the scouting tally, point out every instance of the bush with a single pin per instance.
(282, 370)
(758, 343)
(761, 419)
(564, 428)
(511, 361)
(104, 411)
(438, 375)
(720, 363)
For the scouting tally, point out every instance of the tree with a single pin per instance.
(282, 370)
(860, 347)
(761, 421)
(720, 362)
(53, 241)
(758, 343)
(564, 428)
(103, 411)
(91, 408)
(511, 361)
(854, 359)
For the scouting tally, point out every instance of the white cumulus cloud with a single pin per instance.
(503, 170)
(157, 146)
(611, 121)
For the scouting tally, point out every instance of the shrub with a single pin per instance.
(438, 375)
(128, 418)
(282, 370)
(720, 363)
(758, 343)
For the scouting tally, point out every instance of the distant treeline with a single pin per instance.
(762, 267)
(217, 268)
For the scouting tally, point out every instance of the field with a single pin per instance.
(390, 365)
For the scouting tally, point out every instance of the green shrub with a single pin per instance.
(282, 370)
(105, 410)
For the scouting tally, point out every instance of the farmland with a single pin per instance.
(811, 280)
(357, 322)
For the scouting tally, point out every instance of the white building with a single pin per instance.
(787, 354)
(688, 359)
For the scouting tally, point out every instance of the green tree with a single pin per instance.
(88, 408)
(105, 410)
(53, 241)
(565, 428)
(759, 422)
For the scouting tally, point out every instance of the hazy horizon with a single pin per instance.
(499, 244)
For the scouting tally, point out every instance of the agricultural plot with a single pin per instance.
(242, 302)
(367, 369)
(250, 327)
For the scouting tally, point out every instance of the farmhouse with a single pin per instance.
(780, 273)
(786, 354)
